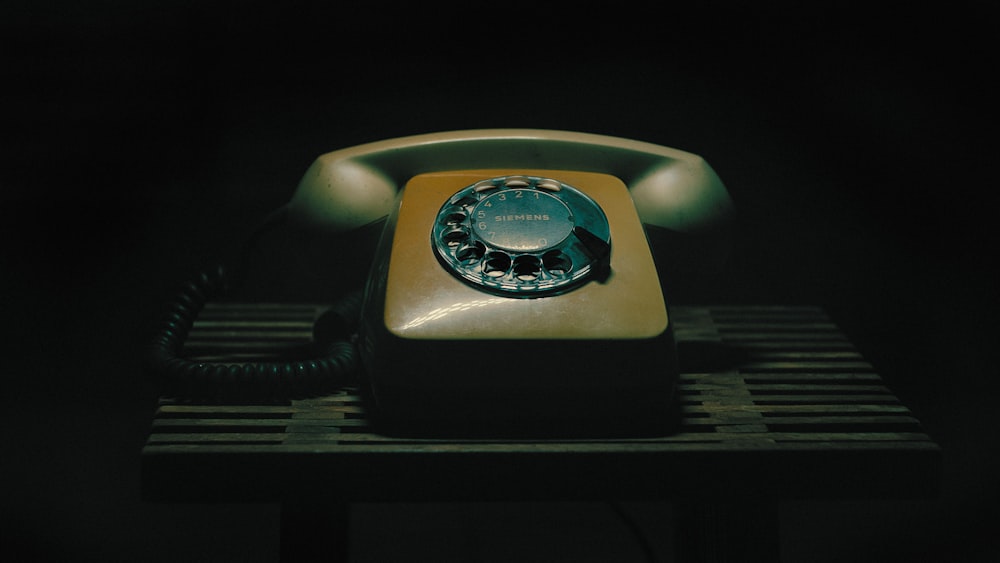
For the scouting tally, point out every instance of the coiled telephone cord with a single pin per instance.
(334, 365)
(333, 362)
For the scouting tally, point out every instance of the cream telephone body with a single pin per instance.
(513, 286)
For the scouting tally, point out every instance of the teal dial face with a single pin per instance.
(523, 236)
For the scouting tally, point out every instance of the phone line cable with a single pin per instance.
(335, 362)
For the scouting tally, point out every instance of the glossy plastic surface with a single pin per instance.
(424, 301)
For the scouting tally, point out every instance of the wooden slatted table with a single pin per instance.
(776, 404)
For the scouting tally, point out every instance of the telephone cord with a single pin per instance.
(335, 362)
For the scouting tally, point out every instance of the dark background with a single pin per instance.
(141, 140)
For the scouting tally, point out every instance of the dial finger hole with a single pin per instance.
(484, 186)
(454, 216)
(496, 264)
(464, 201)
(455, 235)
(557, 263)
(468, 253)
(527, 268)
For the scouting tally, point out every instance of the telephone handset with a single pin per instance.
(513, 285)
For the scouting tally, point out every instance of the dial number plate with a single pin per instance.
(525, 236)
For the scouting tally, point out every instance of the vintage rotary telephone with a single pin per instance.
(513, 280)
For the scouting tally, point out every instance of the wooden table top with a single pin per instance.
(775, 403)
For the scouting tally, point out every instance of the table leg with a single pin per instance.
(727, 532)
(313, 532)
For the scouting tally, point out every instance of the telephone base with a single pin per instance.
(597, 388)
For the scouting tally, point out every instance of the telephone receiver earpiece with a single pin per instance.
(351, 187)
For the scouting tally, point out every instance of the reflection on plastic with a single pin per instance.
(441, 312)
